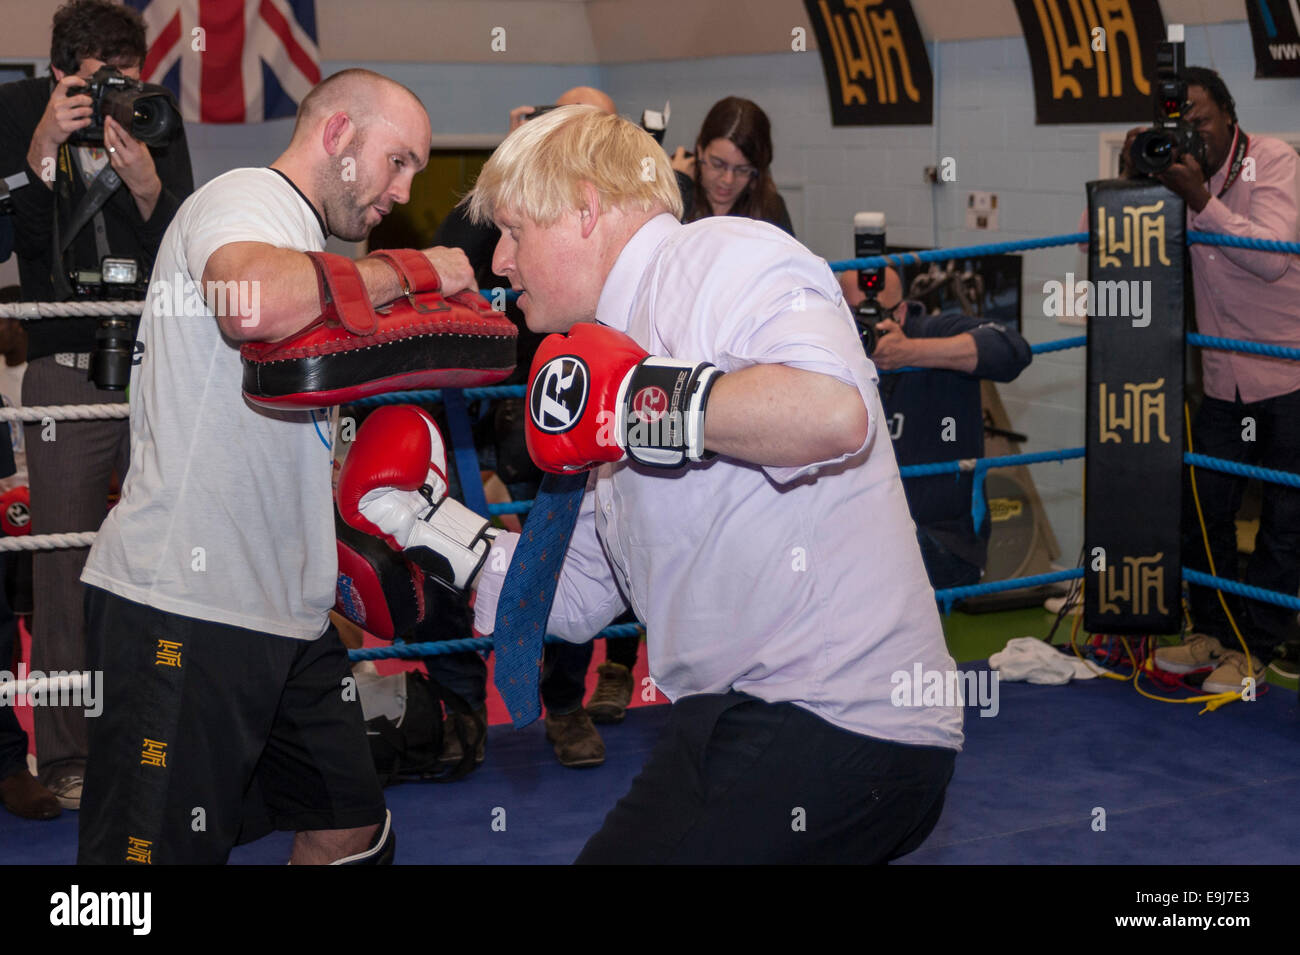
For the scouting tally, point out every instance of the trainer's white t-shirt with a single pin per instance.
(226, 510)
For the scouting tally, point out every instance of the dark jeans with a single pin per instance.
(565, 665)
(1218, 431)
(736, 780)
(944, 568)
(465, 674)
(13, 741)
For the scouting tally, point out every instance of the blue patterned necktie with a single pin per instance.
(529, 591)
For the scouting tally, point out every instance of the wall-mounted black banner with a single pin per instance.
(1275, 31)
(873, 54)
(1134, 470)
(1093, 60)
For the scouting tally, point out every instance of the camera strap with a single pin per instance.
(98, 192)
(1241, 142)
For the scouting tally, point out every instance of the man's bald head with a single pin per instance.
(362, 94)
(359, 141)
(587, 96)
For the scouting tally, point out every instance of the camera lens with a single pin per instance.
(110, 363)
(1159, 152)
(1153, 151)
(153, 120)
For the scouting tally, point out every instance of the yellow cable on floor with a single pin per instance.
(1212, 701)
(1205, 539)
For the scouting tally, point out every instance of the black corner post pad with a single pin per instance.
(1135, 299)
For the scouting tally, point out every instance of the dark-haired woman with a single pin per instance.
(730, 172)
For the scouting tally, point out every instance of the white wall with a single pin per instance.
(985, 121)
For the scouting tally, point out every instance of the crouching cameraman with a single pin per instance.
(937, 415)
(92, 191)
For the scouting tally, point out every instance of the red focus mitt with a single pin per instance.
(354, 350)
(595, 395)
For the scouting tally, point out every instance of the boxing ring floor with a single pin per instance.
(1176, 787)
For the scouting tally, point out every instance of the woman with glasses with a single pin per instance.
(730, 172)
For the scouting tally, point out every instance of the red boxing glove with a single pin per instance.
(393, 485)
(595, 395)
(16, 512)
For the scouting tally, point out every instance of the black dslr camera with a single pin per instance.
(1154, 150)
(145, 110)
(869, 241)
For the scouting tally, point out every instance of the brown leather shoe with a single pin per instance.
(612, 694)
(24, 796)
(577, 744)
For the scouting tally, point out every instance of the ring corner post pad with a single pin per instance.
(1135, 296)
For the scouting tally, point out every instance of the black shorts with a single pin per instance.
(213, 735)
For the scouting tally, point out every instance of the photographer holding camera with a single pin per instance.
(94, 191)
(1246, 186)
(937, 414)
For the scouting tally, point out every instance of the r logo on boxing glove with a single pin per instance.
(558, 394)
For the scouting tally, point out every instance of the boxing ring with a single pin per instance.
(455, 401)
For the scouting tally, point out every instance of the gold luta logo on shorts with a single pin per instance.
(153, 753)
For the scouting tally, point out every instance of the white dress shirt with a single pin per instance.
(802, 584)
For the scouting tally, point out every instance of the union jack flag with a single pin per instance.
(232, 61)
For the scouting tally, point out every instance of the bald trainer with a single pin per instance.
(211, 581)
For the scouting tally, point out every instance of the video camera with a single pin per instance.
(145, 110)
(1154, 150)
(869, 241)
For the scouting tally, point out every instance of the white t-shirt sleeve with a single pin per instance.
(254, 207)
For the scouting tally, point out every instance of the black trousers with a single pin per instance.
(734, 779)
(565, 665)
(1221, 430)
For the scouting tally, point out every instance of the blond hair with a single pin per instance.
(539, 170)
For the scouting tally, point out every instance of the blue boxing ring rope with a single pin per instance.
(979, 467)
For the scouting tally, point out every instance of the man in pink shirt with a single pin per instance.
(1251, 408)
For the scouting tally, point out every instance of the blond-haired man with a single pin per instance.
(772, 559)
